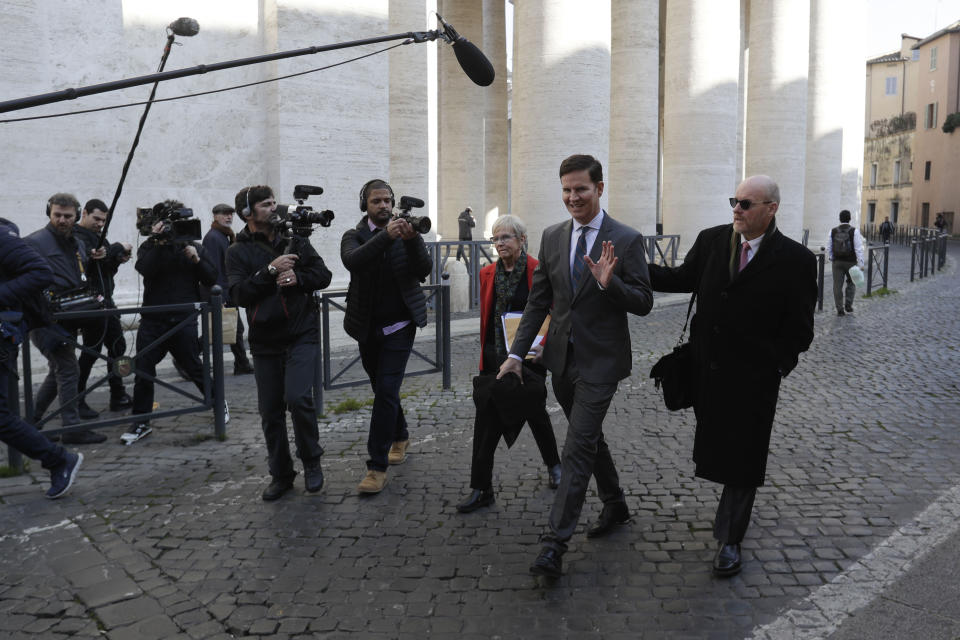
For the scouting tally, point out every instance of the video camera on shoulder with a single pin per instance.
(298, 219)
(179, 225)
(420, 224)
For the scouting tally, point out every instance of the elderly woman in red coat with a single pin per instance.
(504, 286)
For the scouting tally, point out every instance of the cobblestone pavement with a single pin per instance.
(169, 537)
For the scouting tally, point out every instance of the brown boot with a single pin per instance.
(373, 482)
(398, 452)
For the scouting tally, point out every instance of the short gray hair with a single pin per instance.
(514, 223)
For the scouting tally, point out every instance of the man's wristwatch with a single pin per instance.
(272, 270)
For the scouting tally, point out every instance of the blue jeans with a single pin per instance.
(384, 359)
(14, 432)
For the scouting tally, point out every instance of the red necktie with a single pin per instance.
(744, 248)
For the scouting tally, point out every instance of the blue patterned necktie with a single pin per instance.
(576, 269)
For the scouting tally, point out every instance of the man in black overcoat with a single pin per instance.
(756, 291)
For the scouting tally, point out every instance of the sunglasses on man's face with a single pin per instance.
(746, 204)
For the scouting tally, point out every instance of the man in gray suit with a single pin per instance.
(592, 272)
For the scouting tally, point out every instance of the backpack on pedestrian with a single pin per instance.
(842, 240)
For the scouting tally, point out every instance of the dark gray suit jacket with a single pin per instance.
(594, 319)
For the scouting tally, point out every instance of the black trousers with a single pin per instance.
(733, 513)
(97, 333)
(238, 350)
(384, 359)
(285, 382)
(182, 345)
(585, 452)
(486, 437)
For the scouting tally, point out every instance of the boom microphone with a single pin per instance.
(184, 27)
(471, 59)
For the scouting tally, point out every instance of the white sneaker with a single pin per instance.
(139, 431)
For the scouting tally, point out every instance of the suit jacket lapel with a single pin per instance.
(564, 259)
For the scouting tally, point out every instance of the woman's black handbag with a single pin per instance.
(676, 373)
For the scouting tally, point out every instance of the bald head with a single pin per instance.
(763, 196)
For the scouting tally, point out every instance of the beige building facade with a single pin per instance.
(910, 164)
(936, 167)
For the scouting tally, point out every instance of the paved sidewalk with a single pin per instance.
(855, 535)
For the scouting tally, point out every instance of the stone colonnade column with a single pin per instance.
(777, 102)
(826, 107)
(701, 72)
(462, 109)
(496, 155)
(854, 63)
(634, 112)
(561, 101)
(413, 106)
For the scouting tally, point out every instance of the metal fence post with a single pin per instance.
(445, 327)
(886, 264)
(821, 266)
(219, 395)
(318, 360)
(913, 260)
(869, 271)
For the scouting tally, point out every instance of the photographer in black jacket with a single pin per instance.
(69, 259)
(106, 331)
(387, 260)
(172, 274)
(274, 278)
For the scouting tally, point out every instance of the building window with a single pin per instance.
(873, 174)
(930, 114)
(925, 214)
(896, 172)
(871, 211)
(916, 55)
(926, 170)
(933, 58)
(891, 86)
(894, 211)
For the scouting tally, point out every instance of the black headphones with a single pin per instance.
(245, 212)
(363, 193)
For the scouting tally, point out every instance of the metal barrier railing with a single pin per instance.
(471, 251)
(328, 379)
(662, 250)
(210, 314)
(878, 260)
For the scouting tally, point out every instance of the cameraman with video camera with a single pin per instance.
(387, 260)
(69, 259)
(273, 275)
(173, 268)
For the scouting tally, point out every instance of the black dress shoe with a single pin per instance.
(554, 474)
(475, 500)
(121, 402)
(313, 477)
(727, 561)
(276, 489)
(549, 563)
(85, 412)
(848, 308)
(615, 513)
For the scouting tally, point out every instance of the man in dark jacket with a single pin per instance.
(387, 260)
(23, 275)
(274, 277)
(107, 330)
(216, 243)
(173, 273)
(756, 290)
(466, 223)
(69, 259)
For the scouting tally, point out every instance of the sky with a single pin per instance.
(887, 19)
